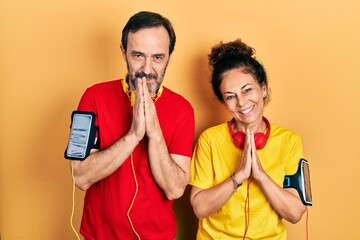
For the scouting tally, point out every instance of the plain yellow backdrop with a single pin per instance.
(50, 51)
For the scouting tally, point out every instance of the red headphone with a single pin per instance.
(239, 136)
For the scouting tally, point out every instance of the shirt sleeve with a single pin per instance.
(182, 141)
(202, 172)
(295, 154)
(87, 103)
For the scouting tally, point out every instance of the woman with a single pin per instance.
(238, 167)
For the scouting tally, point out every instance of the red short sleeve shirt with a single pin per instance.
(108, 201)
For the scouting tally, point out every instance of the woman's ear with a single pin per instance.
(265, 92)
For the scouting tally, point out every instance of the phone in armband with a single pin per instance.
(301, 182)
(82, 135)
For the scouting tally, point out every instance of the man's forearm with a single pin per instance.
(170, 171)
(101, 164)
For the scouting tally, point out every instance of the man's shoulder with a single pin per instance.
(104, 88)
(106, 84)
(175, 97)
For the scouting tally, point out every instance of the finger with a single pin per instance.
(149, 105)
(141, 94)
(145, 94)
(137, 97)
(139, 104)
(138, 122)
(253, 148)
(139, 87)
(246, 158)
(247, 146)
(146, 90)
(245, 164)
(252, 141)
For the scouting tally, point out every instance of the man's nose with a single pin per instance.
(147, 66)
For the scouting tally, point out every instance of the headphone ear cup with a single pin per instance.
(260, 140)
(239, 139)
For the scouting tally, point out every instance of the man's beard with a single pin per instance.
(153, 86)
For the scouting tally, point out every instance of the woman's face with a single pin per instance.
(244, 98)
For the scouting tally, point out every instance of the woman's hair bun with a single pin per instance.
(233, 49)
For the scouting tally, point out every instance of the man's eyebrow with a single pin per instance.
(159, 55)
(136, 52)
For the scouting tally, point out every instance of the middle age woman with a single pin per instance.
(238, 167)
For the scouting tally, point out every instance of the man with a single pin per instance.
(146, 133)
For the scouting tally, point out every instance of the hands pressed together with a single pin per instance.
(170, 171)
(250, 165)
(145, 120)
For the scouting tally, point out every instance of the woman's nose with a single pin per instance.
(240, 101)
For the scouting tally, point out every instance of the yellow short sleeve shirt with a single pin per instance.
(215, 157)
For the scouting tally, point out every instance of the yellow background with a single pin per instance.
(50, 51)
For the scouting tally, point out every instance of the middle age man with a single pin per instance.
(146, 133)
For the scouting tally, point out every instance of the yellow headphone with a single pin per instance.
(131, 93)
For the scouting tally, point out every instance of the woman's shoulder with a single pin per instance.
(215, 131)
(277, 131)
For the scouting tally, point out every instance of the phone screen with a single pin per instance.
(79, 135)
(307, 185)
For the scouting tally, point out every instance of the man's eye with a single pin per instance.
(158, 58)
(137, 56)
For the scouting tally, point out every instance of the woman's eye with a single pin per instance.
(247, 90)
(229, 97)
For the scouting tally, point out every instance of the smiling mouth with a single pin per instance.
(246, 111)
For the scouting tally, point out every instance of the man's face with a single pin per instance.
(147, 55)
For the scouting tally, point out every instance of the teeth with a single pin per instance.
(247, 110)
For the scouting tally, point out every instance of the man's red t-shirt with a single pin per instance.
(108, 201)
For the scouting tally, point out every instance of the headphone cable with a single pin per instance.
(73, 201)
(307, 223)
(133, 200)
(247, 208)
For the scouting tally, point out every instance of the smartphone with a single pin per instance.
(82, 135)
(301, 182)
(306, 185)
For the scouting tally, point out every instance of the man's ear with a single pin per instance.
(123, 51)
(170, 58)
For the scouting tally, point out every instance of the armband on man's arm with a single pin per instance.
(82, 136)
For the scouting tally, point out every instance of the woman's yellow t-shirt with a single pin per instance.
(215, 157)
